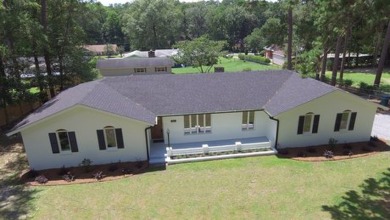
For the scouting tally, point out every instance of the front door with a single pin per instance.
(157, 131)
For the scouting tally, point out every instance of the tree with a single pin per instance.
(151, 24)
(201, 53)
(383, 57)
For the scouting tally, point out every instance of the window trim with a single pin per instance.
(102, 138)
(349, 122)
(194, 127)
(161, 69)
(108, 146)
(57, 146)
(247, 126)
(140, 70)
(314, 124)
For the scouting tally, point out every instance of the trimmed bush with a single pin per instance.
(255, 59)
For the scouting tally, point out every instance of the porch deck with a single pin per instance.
(158, 151)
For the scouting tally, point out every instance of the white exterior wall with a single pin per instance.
(130, 71)
(223, 126)
(327, 107)
(84, 122)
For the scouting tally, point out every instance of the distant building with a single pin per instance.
(102, 49)
(134, 66)
(275, 54)
(157, 53)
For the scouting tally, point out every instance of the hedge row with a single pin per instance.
(255, 59)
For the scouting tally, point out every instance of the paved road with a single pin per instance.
(381, 127)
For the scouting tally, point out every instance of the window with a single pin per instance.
(248, 120)
(110, 138)
(308, 123)
(161, 69)
(197, 124)
(63, 141)
(139, 70)
(345, 120)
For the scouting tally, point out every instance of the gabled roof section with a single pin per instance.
(200, 93)
(118, 63)
(296, 91)
(95, 95)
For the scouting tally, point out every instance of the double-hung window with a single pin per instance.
(197, 124)
(248, 120)
(345, 121)
(308, 123)
(110, 138)
(63, 141)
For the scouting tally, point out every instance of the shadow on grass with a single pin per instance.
(373, 202)
(15, 197)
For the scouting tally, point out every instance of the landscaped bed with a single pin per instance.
(83, 174)
(337, 152)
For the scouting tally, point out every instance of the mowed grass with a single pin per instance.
(231, 65)
(248, 188)
(368, 77)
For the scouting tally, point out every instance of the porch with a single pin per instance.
(160, 153)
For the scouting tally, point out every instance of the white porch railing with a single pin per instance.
(206, 149)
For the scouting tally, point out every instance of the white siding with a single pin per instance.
(223, 126)
(84, 122)
(130, 71)
(327, 107)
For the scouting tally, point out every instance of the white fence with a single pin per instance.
(206, 149)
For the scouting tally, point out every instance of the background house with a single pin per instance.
(275, 54)
(102, 49)
(130, 66)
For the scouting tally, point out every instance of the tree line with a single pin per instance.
(45, 38)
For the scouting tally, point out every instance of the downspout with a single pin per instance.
(277, 131)
(147, 142)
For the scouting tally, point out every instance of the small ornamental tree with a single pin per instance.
(201, 53)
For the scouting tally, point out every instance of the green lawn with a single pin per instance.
(248, 188)
(368, 78)
(231, 65)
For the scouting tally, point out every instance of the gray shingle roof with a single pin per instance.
(117, 63)
(147, 96)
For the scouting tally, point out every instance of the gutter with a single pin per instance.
(147, 142)
(277, 131)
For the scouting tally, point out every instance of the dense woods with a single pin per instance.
(45, 38)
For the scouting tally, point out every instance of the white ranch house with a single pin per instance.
(136, 117)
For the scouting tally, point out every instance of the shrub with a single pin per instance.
(247, 69)
(68, 177)
(41, 179)
(301, 154)
(255, 59)
(328, 154)
(311, 150)
(283, 152)
(98, 175)
(374, 138)
(348, 82)
(86, 163)
(347, 146)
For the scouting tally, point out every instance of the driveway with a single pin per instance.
(381, 127)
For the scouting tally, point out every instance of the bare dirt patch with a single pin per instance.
(339, 152)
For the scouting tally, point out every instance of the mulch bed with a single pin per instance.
(340, 151)
(82, 175)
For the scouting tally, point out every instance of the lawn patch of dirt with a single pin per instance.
(339, 152)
